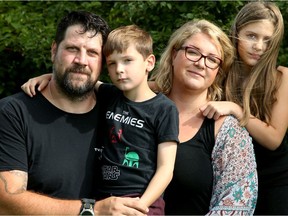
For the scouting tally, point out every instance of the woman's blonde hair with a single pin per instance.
(163, 75)
(256, 91)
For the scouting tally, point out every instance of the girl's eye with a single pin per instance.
(251, 36)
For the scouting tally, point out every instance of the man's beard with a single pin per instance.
(73, 91)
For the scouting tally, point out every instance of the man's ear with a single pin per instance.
(150, 62)
(53, 51)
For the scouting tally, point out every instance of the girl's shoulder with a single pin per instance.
(284, 78)
(283, 70)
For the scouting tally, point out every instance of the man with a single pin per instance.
(47, 144)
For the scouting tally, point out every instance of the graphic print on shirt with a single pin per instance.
(116, 129)
(131, 159)
(115, 137)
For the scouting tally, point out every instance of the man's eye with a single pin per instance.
(94, 53)
(72, 49)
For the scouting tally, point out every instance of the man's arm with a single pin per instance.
(15, 199)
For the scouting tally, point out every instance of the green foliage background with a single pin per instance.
(28, 27)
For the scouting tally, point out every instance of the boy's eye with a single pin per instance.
(110, 63)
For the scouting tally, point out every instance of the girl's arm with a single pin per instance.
(163, 175)
(269, 136)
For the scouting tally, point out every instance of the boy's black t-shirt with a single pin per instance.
(131, 132)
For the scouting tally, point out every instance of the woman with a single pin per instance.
(260, 99)
(215, 169)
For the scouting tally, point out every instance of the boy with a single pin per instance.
(140, 133)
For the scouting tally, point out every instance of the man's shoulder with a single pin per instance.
(18, 100)
(12, 98)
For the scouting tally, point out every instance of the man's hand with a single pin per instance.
(120, 206)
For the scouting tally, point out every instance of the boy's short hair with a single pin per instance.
(121, 38)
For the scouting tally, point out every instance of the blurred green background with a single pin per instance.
(28, 27)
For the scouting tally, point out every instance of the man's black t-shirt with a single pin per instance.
(54, 147)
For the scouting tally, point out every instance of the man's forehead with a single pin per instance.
(75, 33)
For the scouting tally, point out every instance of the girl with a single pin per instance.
(258, 95)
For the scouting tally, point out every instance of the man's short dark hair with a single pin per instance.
(89, 22)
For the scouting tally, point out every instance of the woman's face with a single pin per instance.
(253, 41)
(195, 75)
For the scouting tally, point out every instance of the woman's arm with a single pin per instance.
(235, 177)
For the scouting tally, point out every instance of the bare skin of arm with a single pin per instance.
(43, 80)
(270, 136)
(163, 175)
(15, 199)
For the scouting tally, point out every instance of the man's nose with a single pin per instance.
(81, 58)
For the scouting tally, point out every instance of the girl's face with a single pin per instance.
(196, 75)
(253, 41)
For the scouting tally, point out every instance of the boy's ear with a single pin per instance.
(53, 50)
(150, 62)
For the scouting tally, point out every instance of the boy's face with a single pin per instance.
(129, 70)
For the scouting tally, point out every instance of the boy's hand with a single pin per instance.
(30, 85)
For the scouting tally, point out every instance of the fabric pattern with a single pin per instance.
(233, 157)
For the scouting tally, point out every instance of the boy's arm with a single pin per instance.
(42, 81)
(163, 175)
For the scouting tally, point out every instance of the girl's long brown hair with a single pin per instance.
(256, 91)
